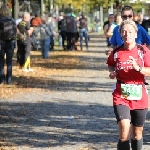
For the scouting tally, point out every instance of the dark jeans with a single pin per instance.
(52, 42)
(8, 49)
(63, 35)
(45, 44)
(83, 33)
(71, 39)
(23, 52)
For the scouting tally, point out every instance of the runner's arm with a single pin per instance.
(143, 70)
(111, 68)
(105, 30)
(112, 72)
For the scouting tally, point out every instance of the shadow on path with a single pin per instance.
(44, 124)
(53, 84)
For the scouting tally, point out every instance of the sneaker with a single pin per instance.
(25, 70)
(31, 70)
(2, 82)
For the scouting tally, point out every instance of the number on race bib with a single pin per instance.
(131, 91)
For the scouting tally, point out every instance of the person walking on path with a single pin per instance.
(142, 35)
(129, 64)
(7, 43)
(83, 31)
(52, 22)
(109, 33)
(96, 23)
(45, 31)
(63, 29)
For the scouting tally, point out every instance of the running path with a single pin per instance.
(76, 114)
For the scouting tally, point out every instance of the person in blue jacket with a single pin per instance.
(142, 35)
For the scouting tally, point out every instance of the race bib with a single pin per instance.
(131, 91)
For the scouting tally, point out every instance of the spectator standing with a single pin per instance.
(83, 30)
(23, 43)
(62, 28)
(96, 23)
(111, 19)
(71, 25)
(109, 33)
(117, 21)
(59, 30)
(46, 32)
(51, 21)
(6, 46)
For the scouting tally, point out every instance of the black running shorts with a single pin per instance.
(136, 116)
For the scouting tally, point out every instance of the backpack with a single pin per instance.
(71, 25)
(8, 29)
(83, 23)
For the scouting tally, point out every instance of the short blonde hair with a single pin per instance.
(128, 22)
(25, 14)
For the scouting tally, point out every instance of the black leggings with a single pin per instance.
(23, 52)
(136, 116)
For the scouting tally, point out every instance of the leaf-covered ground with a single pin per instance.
(59, 63)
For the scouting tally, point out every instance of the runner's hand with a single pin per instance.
(133, 62)
(108, 51)
(112, 75)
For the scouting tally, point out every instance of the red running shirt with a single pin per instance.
(127, 74)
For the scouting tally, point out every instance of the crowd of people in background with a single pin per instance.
(39, 33)
(111, 27)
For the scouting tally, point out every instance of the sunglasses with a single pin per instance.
(125, 16)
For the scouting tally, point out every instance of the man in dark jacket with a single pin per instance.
(6, 45)
(71, 25)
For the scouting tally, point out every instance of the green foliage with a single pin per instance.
(78, 4)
